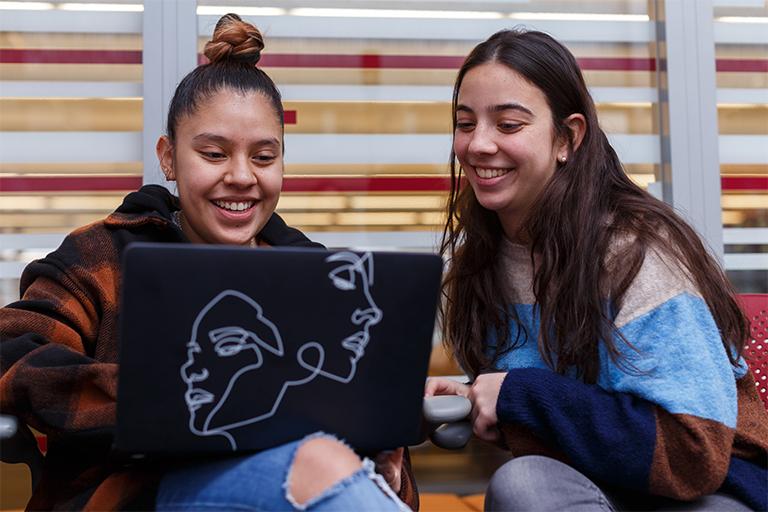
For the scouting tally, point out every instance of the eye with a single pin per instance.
(343, 278)
(229, 341)
(265, 158)
(465, 126)
(229, 347)
(509, 127)
(213, 155)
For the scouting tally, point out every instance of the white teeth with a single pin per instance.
(234, 206)
(491, 173)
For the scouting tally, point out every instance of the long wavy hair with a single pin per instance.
(588, 202)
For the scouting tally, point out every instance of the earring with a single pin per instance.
(563, 159)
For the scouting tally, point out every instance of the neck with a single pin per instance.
(513, 229)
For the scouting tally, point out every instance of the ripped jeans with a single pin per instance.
(259, 482)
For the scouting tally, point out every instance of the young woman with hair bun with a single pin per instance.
(602, 340)
(224, 151)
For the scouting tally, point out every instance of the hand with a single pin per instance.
(389, 464)
(484, 394)
(443, 386)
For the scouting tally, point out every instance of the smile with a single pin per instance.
(234, 206)
(492, 172)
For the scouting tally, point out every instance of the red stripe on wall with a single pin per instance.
(616, 64)
(289, 117)
(742, 65)
(32, 56)
(290, 184)
(373, 184)
(296, 184)
(70, 184)
(362, 61)
(733, 183)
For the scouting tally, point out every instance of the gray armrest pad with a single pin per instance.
(452, 436)
(446, 408)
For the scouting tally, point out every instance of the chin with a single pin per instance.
(233, 240)
(494, 206)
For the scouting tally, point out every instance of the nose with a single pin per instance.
(192, 371)
(239, 173)
(363, 316)
(482, 141)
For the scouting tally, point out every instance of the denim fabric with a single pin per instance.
(258, 482)
(535, 483)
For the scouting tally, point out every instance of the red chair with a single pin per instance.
(755, 306)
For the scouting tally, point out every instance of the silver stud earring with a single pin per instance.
(563, 159)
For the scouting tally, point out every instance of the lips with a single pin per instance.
(356, 343)
(197, 397)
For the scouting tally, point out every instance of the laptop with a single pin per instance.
(238, 349)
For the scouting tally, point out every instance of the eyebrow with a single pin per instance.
(499, 108)
(212, 137)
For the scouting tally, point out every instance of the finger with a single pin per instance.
(437, 386)
(485, 430)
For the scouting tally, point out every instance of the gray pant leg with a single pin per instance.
(535, 483)
(712, 503)
(540, 483)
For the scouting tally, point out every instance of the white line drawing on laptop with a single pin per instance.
(238, 347)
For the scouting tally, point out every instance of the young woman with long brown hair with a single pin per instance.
(602, 339)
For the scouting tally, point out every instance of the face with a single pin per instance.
(227, 161)
(504, 140)
(351, 277)
(232, 331)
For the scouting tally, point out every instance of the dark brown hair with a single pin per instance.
(233, 53)
(588, 202)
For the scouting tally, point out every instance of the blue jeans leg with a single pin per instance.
(258, 482)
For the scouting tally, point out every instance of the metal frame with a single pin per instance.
(687, 114)
(169, 53)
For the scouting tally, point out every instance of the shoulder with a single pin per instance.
(86, 259)
(661, 277)
(277, 233)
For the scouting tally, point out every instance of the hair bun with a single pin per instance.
(234, 40)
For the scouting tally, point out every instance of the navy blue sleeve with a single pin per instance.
(608, 436)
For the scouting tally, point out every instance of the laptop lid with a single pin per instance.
(227, 348)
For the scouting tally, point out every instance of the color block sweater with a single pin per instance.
(680, 422)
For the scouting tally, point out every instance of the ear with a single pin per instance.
(577, 126)
(164, 151)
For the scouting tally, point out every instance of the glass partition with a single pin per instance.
(70, 122)
(367, 87)
(741, 29)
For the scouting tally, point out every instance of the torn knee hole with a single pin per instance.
(319, 463)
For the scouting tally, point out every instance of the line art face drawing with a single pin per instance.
(232, 336)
